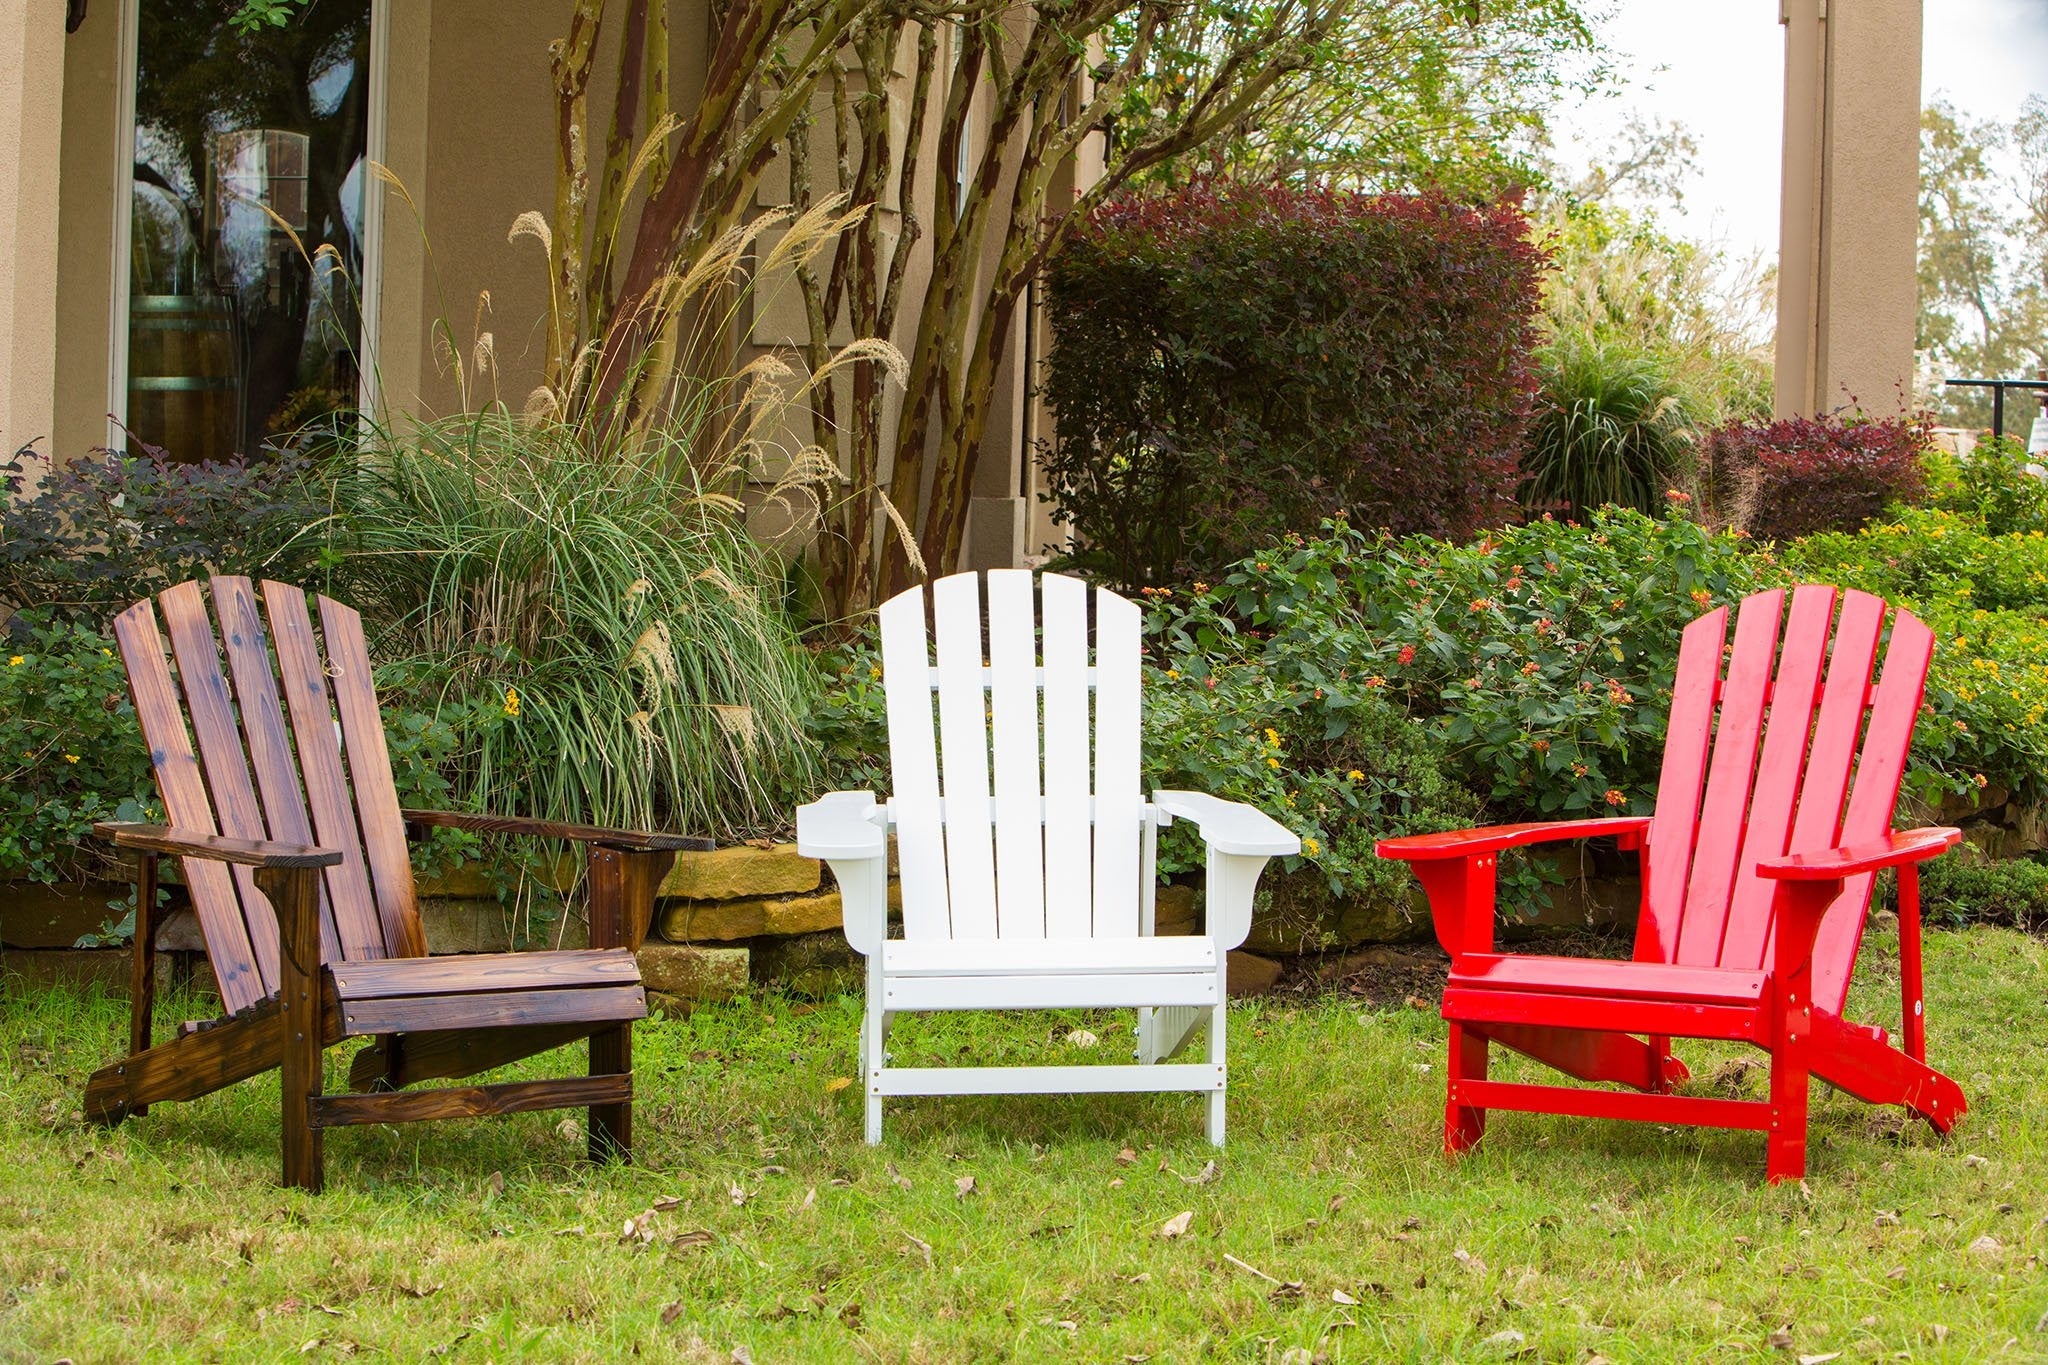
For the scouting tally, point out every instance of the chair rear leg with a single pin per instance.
(142, 968)
(611, 1125)
(1464, 1124)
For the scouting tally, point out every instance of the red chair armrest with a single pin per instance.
(1489, 838)
(1834, 864)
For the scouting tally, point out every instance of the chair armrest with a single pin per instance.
(1490, 838)
(218, 848)
(1834, 864)
(849, 831)
(1230, 826)
(841, 825)
(627, 839)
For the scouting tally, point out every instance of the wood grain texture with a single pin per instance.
(395, 1063)
(214, 848)
(483, 973)
(555, 829)
(295, 894)
(470, 1101)
(496, 1009)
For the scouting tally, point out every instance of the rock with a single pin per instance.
(487, 925)
(698, 921)
(695, 974)
(1173, 910)
(743, 871)
(1295, 913)
(816, 965)
(1250, 974)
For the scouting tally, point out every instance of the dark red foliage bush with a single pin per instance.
(1802, 475)
(1231, 362)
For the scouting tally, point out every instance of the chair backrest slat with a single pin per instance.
(369, 770)
(1887, 739)
(1793, 752)
(1667, 861)
(183, 789)
(1768, 830)
(1118, 804)
(263, 730)
(914, 769)
(212, 713)
(1013, 708)
(304, 677)
(1053, 846)
(1069, 856)
(963, 758)
(1729, 778)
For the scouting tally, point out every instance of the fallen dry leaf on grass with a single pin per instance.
(1338, 1296)
(837, 1084)
(1207, 1174)
(665, 1203)
(692, 1241)
(1780, 1340)
(671, 1312)
(1469, 1261)
(1126, 1157)
(1987, 1245)
(1820, 1359)
(963, 1186)
(1081, 1037)
(1176, 1225)
(738, 1195)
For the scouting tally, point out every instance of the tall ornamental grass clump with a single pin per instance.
(1233, 362)
(1610, 429)
(608, 640)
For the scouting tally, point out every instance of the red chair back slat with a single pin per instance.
(212, 713)
(369, 770)
(1794, 695)
(182, 786)
(1761, 763)
(263, 730)
(1667, 855)
(1722, 813)
(1887, 739)
(311, 707)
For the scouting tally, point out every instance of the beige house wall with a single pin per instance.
(31, 94)
(1847, 278)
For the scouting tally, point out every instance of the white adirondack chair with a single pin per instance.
(1039, 896)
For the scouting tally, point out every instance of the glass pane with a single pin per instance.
(244, 320)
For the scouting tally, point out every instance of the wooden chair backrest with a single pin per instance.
(1019, 859)
(290, 747)
(1798, 746)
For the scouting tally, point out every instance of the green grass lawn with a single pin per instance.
(1029, 1229)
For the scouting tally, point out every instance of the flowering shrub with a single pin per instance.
(1232, 362)
(1791, 478)
(1991, 486)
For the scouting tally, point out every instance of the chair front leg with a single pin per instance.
(1464, 1124)
(623, 884)
(294, 895)
(1797, 911)
(142, 966)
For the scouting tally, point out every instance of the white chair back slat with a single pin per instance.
(1069, 861)
(1013, 704)
(1118, 810)
(914, 769)
(963, 757)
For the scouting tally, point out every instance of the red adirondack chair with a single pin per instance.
(1757, 870)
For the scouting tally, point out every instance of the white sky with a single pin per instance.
(1718, 67)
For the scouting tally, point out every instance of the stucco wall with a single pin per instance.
(31, 94)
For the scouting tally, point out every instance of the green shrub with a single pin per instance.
(1964, 887)
(70, 751)
(81, 541)
(1992, 486)
(608, 640)
(1232, 362)
(1609, 429)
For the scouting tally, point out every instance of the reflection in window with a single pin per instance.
(244, 323)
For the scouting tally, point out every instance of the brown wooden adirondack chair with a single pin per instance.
(293, 845)
(1757, 873)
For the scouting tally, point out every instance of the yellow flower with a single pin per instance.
(1355, 775)
(1173, 673)
(1311, 847)
(875, 672)
(512, 701)
(1272, 739)
(16, 662)
(1272, 762)
(71, 758)
(107, 653)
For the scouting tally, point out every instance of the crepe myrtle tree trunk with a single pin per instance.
(1034, 76)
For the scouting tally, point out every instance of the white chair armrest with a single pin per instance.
(1230, 826)
(841, 825)
(849, 831)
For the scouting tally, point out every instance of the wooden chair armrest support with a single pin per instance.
(626, 839)
(1838, 864)
(258, 853)
(1492, 838)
